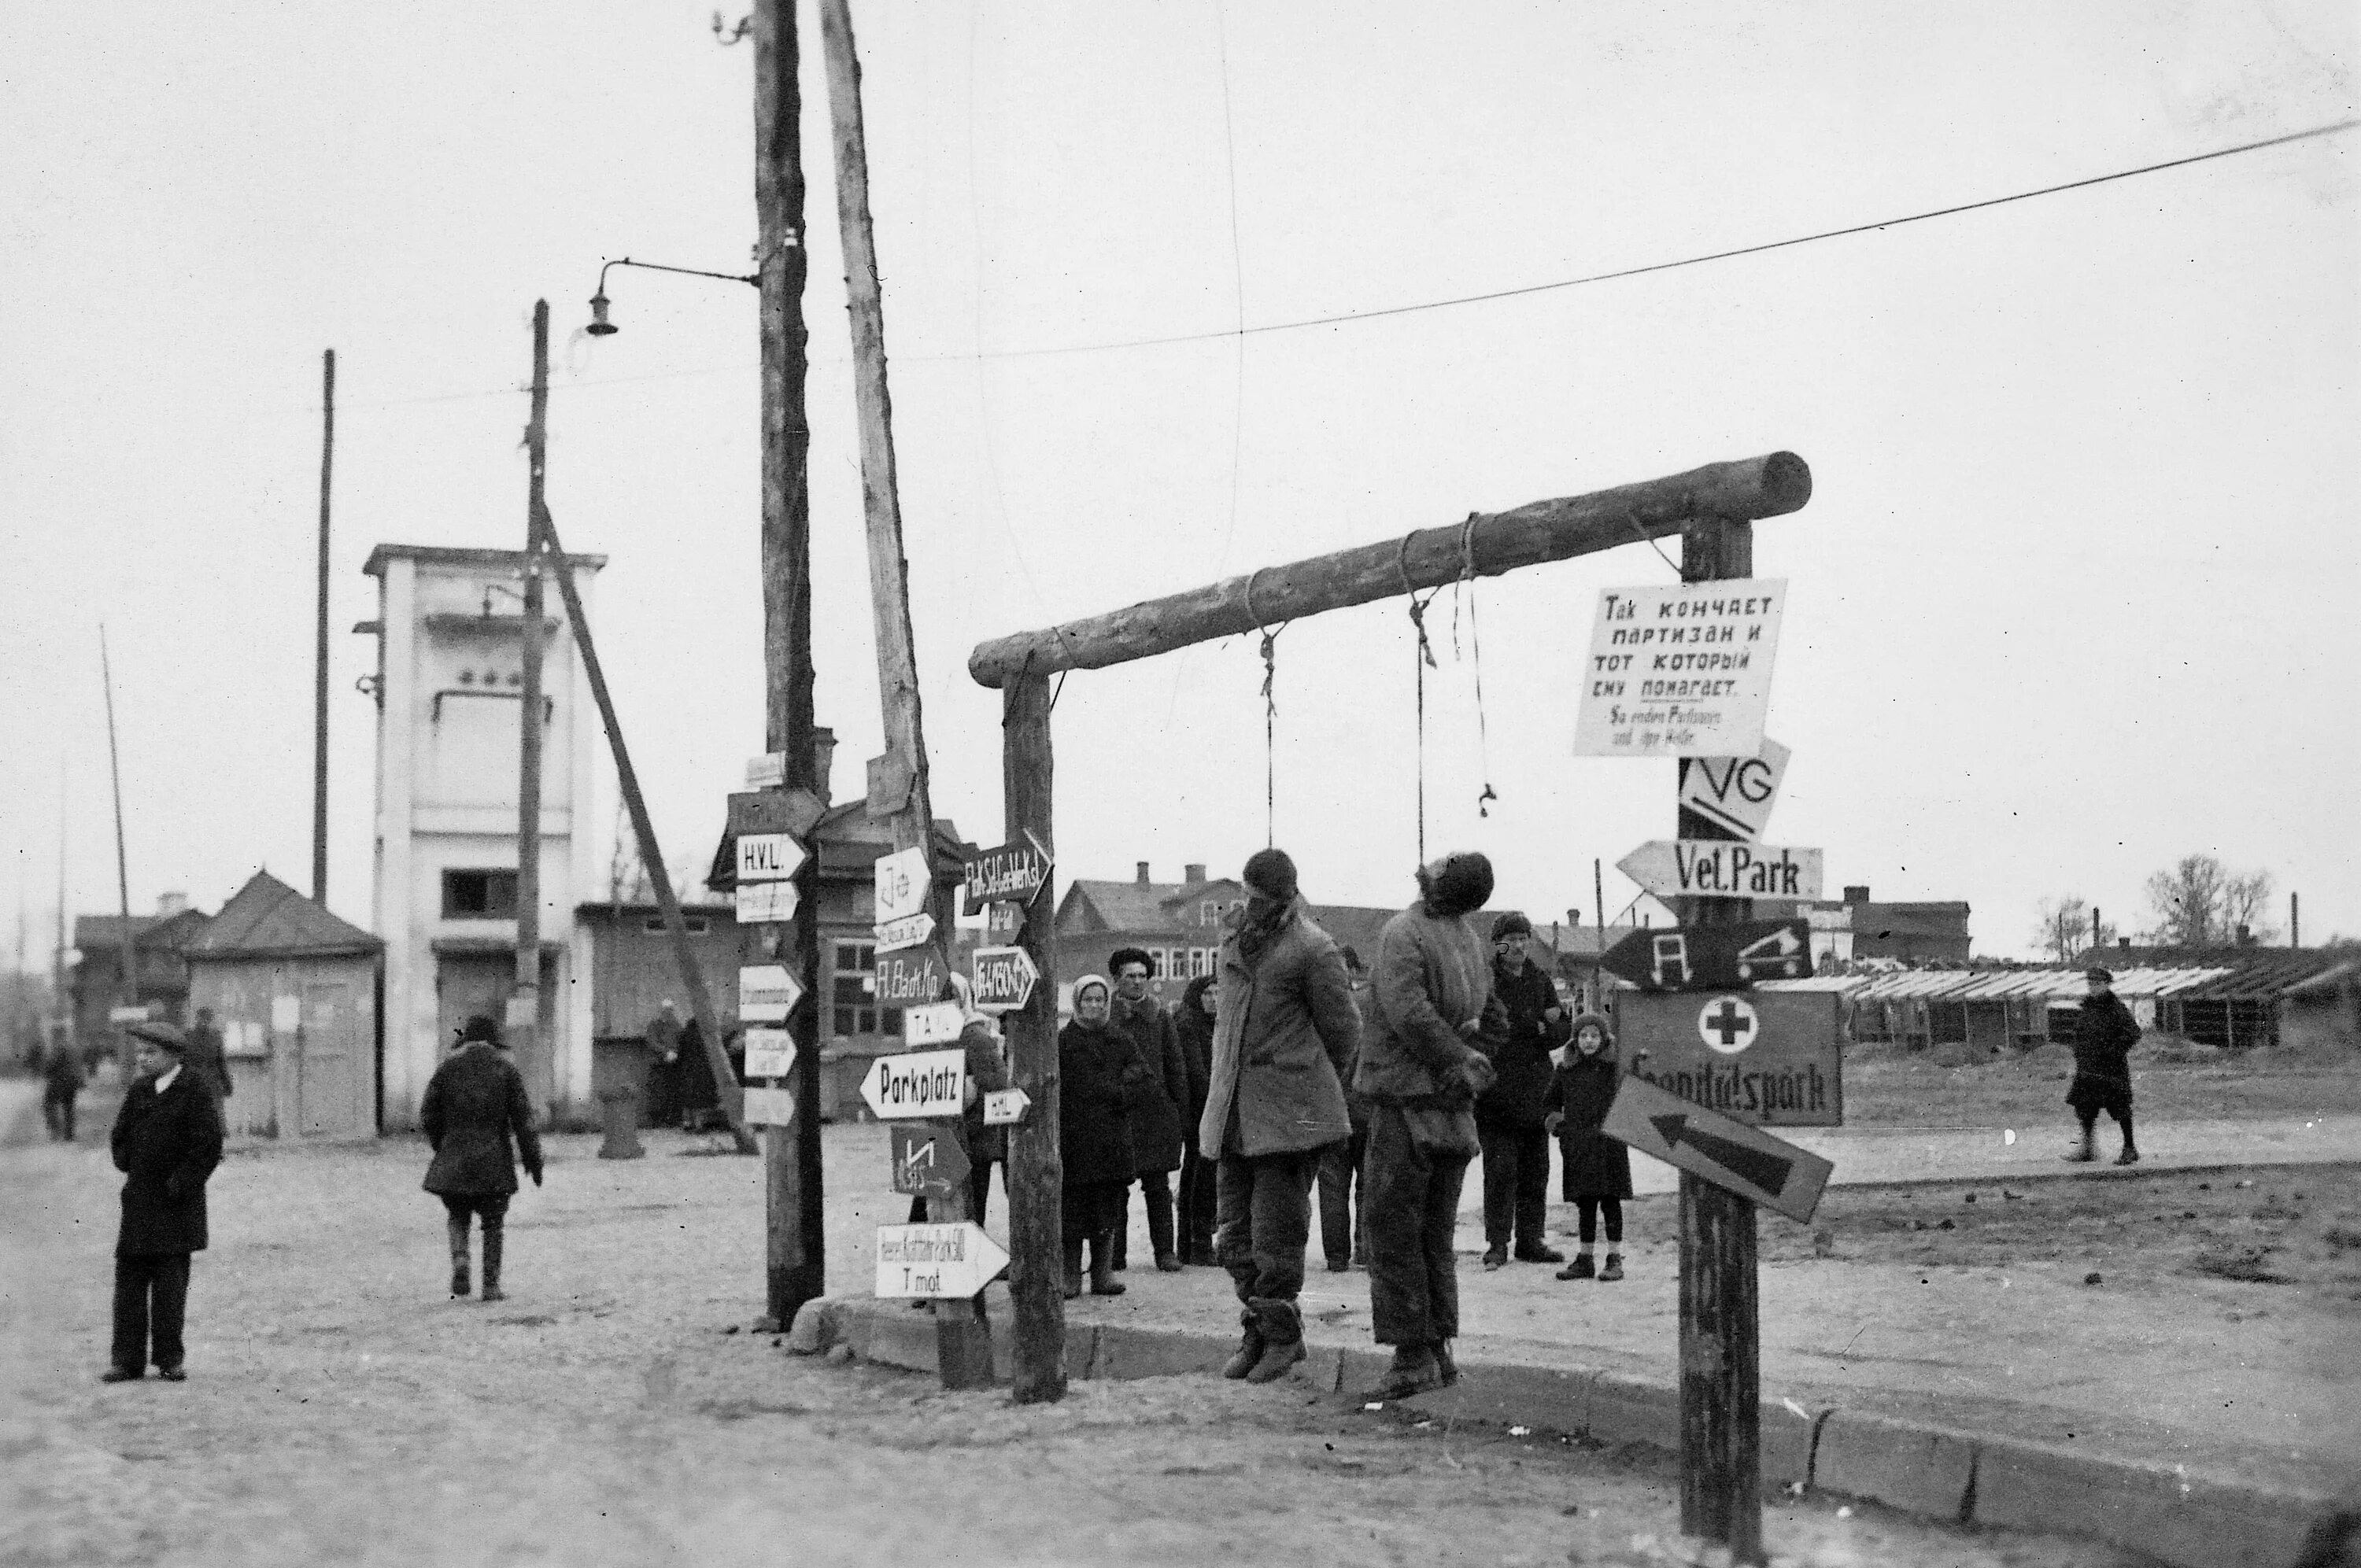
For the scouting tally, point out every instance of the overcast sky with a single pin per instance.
(2074, 595)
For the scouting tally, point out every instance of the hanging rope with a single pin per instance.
(1421, 660)
(1270, 714)
(1476, 643)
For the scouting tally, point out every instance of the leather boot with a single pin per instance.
(1102, 1265)
(492, 1239)
(1614, 1269)
(1073, 1267)
(1414, 1371)
(1282, 1338)
(1159, 1229)
(1250, 1349)
(459, 1282)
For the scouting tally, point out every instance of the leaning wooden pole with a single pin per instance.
(122, 857)
(643, 828)
(1035, 1168)
(962, 1343)
(1484, 546)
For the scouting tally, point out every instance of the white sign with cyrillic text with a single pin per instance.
(1680, 669)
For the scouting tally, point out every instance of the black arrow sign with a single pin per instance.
(1712, 958)
(1765, 1170)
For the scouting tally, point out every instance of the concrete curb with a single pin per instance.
(1957, 1476)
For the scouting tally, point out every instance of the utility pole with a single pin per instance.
(795, 1246)
(1720, 1348)
(525, 1030)
(963, 1344)
(122, 860)
(61, 1032)
(320, 639)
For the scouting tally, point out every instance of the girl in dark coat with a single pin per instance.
(1098, 1073)
(1597, 1167)
(1192, 1028)
(475, 1104)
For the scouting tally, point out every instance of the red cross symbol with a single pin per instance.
(1728, 1025)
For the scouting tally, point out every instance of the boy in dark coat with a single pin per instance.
(1156, 1136)
(1192, 1026)
(1099, 1074)
(2102, 1070)
(60, 1086)
(167, 1141)
(475, 1105)
(1420, 1065)
(1282, 1042)
(1597, 1167)
(1509, 1114)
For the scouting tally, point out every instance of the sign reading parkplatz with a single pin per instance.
(917, 1083)
(1680, 669)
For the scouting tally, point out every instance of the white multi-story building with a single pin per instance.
(448, 688)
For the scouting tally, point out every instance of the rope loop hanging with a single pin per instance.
(1269, 712)
(1476, 644)
(1421, 660)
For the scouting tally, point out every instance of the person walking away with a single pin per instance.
(62, 1082)
(477, 1122)
(205, 1056)
(1192, 1026)
(1509, 1114)
(1420, 1068)
(1283, 1039)
(987, 1073)
(1097, 1074)
(1597, 1167)
(1156, 1134)
(167, 1141)
(2103, 1069)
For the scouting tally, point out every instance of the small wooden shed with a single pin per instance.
(294, 990)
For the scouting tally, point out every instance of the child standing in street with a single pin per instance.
(1597, 1167)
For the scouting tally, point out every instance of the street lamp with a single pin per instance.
(601, 327)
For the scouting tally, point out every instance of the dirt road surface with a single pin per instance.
(340, 1410)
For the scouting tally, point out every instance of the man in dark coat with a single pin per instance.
(1192, 1026)
(204, 1054)
(1509, 1114)
(1156, 1134)
(1420, 1066)
(475, 1105)
(60, 1086)
(2103, 1073)
(1283, 1039)
(167, 1141)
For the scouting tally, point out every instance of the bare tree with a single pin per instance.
(2199, 903)
(2245, 901)
(2064, 929)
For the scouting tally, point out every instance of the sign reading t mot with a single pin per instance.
(1680, 670)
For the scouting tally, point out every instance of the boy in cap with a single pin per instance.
(1509, 1114)
(167, 1141)
(2103, 1072)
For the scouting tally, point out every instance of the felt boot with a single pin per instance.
(1073, 1267)
(1282, 1338)
(1444, 1364)
(1250, 1349)
(1582, 1267)
(460, 1284)
(1414, 1370)
(1102, 1265)
(492, 1239)
(2130, 1155)
(1614, 1269)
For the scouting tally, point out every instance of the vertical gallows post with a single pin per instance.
(795, 1251)
(1722, 1416)
(524, 1012)
(1035, 1170)
(319, 637)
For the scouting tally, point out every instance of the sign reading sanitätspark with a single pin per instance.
(1680, 670)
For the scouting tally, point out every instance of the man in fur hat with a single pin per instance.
(1420, 1067)
(167, 1141)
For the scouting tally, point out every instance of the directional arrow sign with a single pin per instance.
(770, 1107)
(770, 1053)
(1012, 873)
(1735, 794)
(758, 902)
(917, 1083)
(901, 884)
(936, 1261)
(768, 857)
(1006, 1107)
(932, 1025)
(928, 1161)
(1771, 1057)
(913, 977)
(1717, 868)
(1005, 979)
(1712, 958)
(766, 993)
(907, 932)
(1729, 1154)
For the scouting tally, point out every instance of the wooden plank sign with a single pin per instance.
(1680, 669)
(936, 1261)
(909, 931)
(1712, 958)
(770, 1053)
(901, 884)
(927, 1159)
(759, 903)
(1013, 873)
(937, 1023)
(1771, 1057)
(766, 993)
(1735, 794)
(917, 1083)
(1005, 979)
(912, 977)
(1726, 1152)
(768, 857)
(770, 1107)
(1006, 1107)
(1715, 867)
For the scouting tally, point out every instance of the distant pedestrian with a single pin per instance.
(662, 1037)
(1597, 1174)
(1509, 1114)
(1098, 1072)
(167, 1141)
(1192, 1026)
(1420, 1066)
(1283, 1039)
(1155, 1134)
(2103, 1071)
(62, 1080)
(205, 1056)
(477, 1122)
(987, 1073)
(696, 1099)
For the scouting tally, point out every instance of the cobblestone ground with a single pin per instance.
(340, 1410)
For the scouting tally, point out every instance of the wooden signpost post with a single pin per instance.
(1711, 505)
